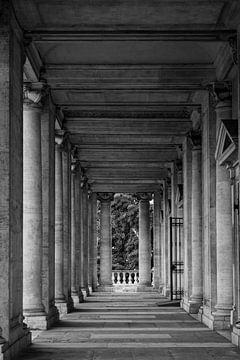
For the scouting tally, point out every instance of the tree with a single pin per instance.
(125, 232)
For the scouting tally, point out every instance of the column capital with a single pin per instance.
(105, 197)
(233, 45)
(195, 138)
(33, 93)
(75, 166)
(220, 91)
(84, 178)
(144, 196)
(62, 140)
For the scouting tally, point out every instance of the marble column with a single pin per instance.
(197, 270)
(224, 238)
(75, 234)
(105, 240)
(48, 206)
(90, 243)
(144, 240)
(94, 240)
(60, 298)
(14, 337)
(74, 291)
(187, 222)
(66, 168)
(157, 239)
(33, 308)
(84, 236)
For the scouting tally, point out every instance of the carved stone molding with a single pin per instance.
(105, 197)
(220, 92)
(33, 93)
(233, 45)
(183, 114)
(144, 196)
(75, 166)
(195, 138)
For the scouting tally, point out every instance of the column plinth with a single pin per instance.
(144, 241)
(33, 308)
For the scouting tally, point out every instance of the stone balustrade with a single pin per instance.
(125, 277)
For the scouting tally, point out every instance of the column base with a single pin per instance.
(22, 340)
(70, 303)
(166, 292)
(36, 320)
(236, 334)
(105, 288)
(144, 288)
(77, 297)
(62, 307)
(220, 320)
(194, 306)
(52, 316)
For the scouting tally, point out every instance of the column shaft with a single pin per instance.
(32, 211)
(144, 244)
(94, 240)
(197, 280)
(105, 242)
(157, 240)
(73, 238)
(59, 264)
(84, 240)
(224, 237)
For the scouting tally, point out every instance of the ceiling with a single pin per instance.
(123, 75)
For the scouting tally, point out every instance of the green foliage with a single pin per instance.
(125, 232)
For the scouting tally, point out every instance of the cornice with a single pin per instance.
(182, 114)
(128, 33)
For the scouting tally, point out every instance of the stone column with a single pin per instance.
(66, 165)
(90, 243)
(224, 238)
(105, 240)
(84, 236)
(59, 243)
(187, 222)
(144, 241)
(48, 205)
(74, 291)
(94, 240)
(157, 239)
(33, 308)
(197, 275)
(14, 337)
(75, 234)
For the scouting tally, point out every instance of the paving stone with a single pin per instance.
(99, 332)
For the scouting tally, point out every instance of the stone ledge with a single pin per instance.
(11, 351)
(236, 336)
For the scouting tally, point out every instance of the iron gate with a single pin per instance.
(176, 258)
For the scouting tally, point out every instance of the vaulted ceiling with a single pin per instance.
(123, 75)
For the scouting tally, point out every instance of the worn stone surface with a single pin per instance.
(129, 326)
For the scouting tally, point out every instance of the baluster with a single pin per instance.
(124, 277)
(113, 278)
(118, 278)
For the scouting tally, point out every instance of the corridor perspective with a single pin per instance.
(130, 327)
(119, 179)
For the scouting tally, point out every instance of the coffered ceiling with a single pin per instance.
(123, 75)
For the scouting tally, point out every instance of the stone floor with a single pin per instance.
(129, 327)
